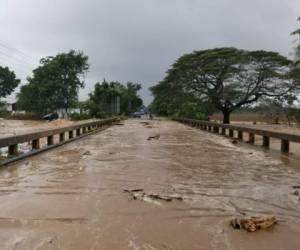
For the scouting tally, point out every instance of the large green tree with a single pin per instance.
(130, 101)
(170, 100)
(8, 81)
(99, 104)
(55, 83)
(230, 78)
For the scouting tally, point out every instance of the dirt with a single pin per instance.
(66, 199)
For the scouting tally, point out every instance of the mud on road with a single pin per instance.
(73, 197)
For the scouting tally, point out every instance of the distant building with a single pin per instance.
(115, 105)
(7, 107)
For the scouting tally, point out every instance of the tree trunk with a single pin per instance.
(226, 116)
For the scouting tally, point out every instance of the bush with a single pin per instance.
(191, 110)
(4, 113)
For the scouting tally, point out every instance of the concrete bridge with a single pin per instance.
(148, 185)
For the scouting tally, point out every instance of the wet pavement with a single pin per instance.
(73, 197)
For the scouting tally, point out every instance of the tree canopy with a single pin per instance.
(8, 81)
(170, 100)
(99, 104)
(55, 83)
(230, 78)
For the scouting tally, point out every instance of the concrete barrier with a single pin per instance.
(81, 130)
(266, 134)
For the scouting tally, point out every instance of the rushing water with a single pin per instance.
(73, 197)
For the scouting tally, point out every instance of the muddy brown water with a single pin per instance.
(72, 197)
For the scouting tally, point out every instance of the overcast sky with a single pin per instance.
(137, 40)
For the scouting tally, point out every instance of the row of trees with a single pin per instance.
(55, 84)
(226, 79)
(100, 101)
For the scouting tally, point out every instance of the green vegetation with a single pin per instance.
(8, 81)
(100, 101)
(55, 83)
(197, 85)
(4, 113)
(227, 79)
(170, 100)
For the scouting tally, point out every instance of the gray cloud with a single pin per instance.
(137, 40)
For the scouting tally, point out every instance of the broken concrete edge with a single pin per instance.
(42, 150)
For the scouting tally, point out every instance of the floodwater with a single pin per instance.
(17, 127)
(73, 197)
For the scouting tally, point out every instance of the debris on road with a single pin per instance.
(87, 153)
(164, 198)
(155, 137)
(234, 142)
(139, 194)
(296, 187)
(147, 124)
(133, 190)
(254, 223)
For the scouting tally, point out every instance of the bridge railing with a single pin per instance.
(34, 139)
(222, 129)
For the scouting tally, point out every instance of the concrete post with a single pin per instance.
(216, 129)
(223, 131)
(251, 138)
(240, 135)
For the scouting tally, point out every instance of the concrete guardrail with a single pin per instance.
(73, 132)
(219, 128)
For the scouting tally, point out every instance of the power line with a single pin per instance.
(13, 64)
(9, 47)
(16, 59)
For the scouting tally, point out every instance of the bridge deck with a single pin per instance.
(73, 198)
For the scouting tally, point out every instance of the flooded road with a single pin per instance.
(73, 197)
